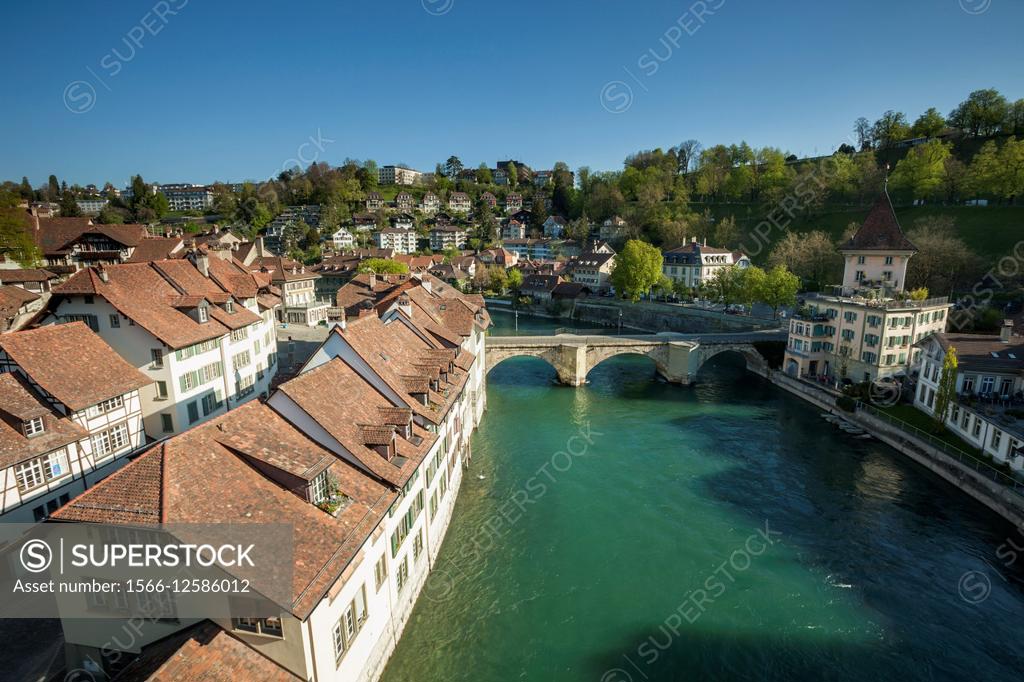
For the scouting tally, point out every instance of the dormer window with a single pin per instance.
(318, 492)
(229, 306)
(33, 427)
(203, 313)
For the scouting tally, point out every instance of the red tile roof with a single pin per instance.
(163, 486)
(881, 230)
(72, 364)
(157, 248)
(19, 403)
(147, 292)
(202, 653)
(26, 275)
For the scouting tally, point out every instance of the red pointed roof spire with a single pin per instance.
(880, 231)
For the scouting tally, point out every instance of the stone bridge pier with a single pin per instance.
(677, 360)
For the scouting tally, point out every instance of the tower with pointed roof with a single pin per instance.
(877, 255)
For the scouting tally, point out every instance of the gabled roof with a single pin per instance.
(56, 235)
(26, 275)
(19, 403)
(141, 292)
(72, 364)
(12, 299)
(881, 230)
(156, 248)
(161, 486)
(350, 409)
(202, 652)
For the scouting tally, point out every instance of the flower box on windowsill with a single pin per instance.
(335, 504)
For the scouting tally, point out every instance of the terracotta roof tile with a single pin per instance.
(18, 403)
(880, 231)
(202, 653)
(72, 364)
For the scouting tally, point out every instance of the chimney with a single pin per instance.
(373, 280)
(259, 247)
(202, 263)
(1006, 331)
(103, 274)
(405, 305)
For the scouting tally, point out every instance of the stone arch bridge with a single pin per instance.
(677, 357)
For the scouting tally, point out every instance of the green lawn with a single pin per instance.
(919, 419)
(992, 231)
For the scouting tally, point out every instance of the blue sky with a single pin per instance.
(232, 91)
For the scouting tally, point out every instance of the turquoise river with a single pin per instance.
(633, 530)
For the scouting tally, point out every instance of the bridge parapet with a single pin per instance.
(677, 357)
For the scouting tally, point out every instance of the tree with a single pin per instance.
(778, 288)
(922, 170)
(984, 173)
(1013, 124)
(452, 168)
(890, 128)
(725, 286)
(946, 394)
(982, 113)
(52, 189)
(512, 172)
(497, 280)
(811, 256)
(928, 124)
(111, 215)
(862, 128)
(68, 205)
(687, 153)
(637, 269)
(943, 261)
(727, 234)
(383, 266)
(515, 279)
(16, 240)
(25, 189)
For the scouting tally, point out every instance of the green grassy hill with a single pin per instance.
(992, 231)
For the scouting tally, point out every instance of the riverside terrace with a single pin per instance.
(677, 357)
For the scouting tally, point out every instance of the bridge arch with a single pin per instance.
(658, 353)
(560, 358)
(755, 362)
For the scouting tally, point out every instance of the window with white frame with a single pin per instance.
(350, 623)
(33, 427)
(318, 488)
(402, 574)
(380, 571)
(35, 472)
(240, 360)
(110, 440)
(240, 334)
(107, 405)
